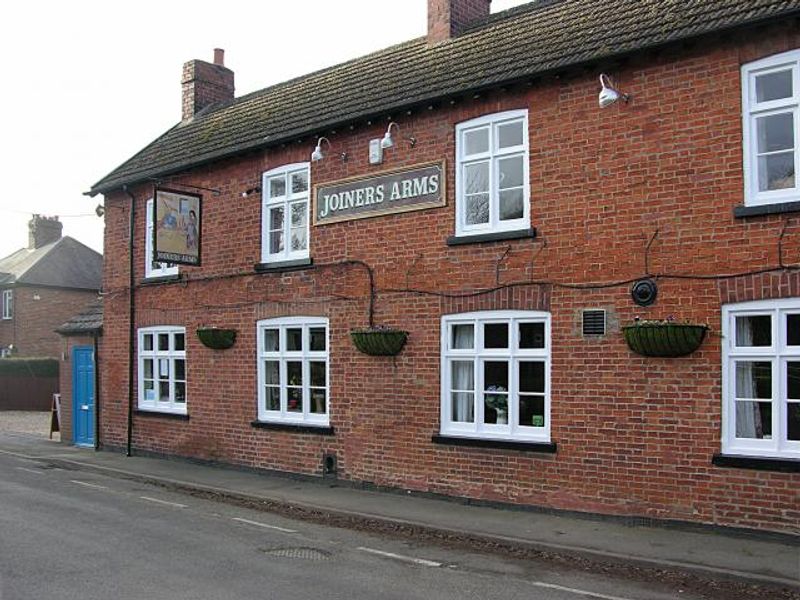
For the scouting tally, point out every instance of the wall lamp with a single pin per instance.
(388, 142)
(609, 94)
(317, 155)
(251, 191)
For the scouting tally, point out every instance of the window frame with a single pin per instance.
(751, 110)
(150, 270)
(286, 202)
(305, 356)
(511, 431)
(8, 305)
(778, 355)
(494, 154)
(171, 407)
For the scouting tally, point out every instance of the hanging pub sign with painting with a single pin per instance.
(178, 219)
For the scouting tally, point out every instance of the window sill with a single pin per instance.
(497, 236)
(160, 279)
(159, 414)
(778, 208)
(283, 265)
(758, 463)
(544, 447)
(296, 428)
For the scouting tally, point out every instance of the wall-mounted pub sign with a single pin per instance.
(414, 188)
(177, 223)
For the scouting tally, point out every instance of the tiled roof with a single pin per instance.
(89, 321)
(535, 38)
(64, 263)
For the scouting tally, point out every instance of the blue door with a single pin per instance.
(83, 395)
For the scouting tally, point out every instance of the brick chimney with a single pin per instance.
(205, 84)
(448, 18)
(43, 231)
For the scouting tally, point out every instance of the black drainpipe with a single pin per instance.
(131, 316)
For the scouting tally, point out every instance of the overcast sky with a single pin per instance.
(86, 83)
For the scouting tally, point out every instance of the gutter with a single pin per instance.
(131, 317)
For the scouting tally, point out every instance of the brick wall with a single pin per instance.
(635, 435)
(32, 330)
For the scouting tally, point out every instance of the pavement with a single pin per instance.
(707, 552)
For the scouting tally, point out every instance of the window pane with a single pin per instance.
(531, 377)
(271, 340)
(148, 341)
(512, 204)
(793, 421)
(754, 379)
(299, 214)
(509, 135)
(511, 172)
(277, 187)
(180, 370)
(754, 420)
(776, 171)
(793, 380)
(318, 374)
(299, 182)
(276, 218)
(149, 390)
(163, 341)
(463, 375)
(476, 141)
(463, 336)
(276, 242)
(180, 392)
(476, 178)
(318, 402)
(294, 339)
(163, 391)
(294, 400)
(299, 239)
(775, 132)
(272, 372)
(531, 411)
(774, 86)
(463, 407)
(495, 335)
(318, 339)
(294, 372)
(477, 209)
(531, 336)
(148, 369)
(273, 398)
(793, 330)
(495, 376)
(754, 331)
(180, 342)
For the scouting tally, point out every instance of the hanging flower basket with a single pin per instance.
(665, 339)
(216, 338)
(379, 341)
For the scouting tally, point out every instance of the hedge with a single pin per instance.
(29, 367)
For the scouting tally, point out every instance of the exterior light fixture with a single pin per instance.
(388, 141)
(317, 155)
(609, 94)
(251, 191)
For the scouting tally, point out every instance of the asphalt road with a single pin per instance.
(70, 534)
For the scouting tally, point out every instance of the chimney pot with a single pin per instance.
(219, 57)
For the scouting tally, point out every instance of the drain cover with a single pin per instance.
(302, 553)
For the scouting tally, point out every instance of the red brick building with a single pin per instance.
(42, 286)
(512, 227)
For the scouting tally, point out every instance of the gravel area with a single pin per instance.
(33, 423)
